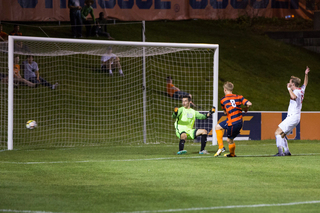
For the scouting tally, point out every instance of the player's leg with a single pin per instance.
(30, 84)
(204, 135)
(183, 138)
(111, 67)
(220, 127)
(232, 132)
(118, 65)
(279, 140)
(73, 24)
(286, 126)
(286, 147)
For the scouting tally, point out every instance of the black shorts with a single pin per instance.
(234, 130)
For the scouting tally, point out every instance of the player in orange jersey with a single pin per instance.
(231, 105)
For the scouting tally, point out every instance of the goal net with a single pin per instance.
(79, 102)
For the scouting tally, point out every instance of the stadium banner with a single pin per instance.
(262, 125)
(150, 10)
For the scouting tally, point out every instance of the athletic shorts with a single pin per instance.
(224, 124)
(234, 130)
(191, 133)
(288, 124)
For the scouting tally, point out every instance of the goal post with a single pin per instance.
(91, 107)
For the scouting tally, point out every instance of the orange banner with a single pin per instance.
(137, 10)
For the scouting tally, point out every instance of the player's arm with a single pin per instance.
(211, 111)
(38, 75)
(176, 112)
(200, 116)
(291, 93)
(305, 83)
(248, 104)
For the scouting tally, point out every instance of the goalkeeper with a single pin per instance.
(185, 118)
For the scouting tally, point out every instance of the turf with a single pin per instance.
(153, 177)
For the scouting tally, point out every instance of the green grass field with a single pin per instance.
(152, 178)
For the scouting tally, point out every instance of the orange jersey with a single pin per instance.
(16, 69)
(16, 33)
(231, 103)
(4, 35)
(171, 90)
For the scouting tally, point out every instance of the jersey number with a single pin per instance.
(233, 103)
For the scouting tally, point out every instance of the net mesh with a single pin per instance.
(91, 107)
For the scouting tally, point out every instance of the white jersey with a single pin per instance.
(30, 69)
(107, 57)
(296, 105)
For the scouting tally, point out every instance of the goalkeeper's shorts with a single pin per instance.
(191, 133)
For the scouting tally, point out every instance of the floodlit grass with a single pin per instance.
(153, 177)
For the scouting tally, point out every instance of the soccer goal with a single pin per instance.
(84, 99)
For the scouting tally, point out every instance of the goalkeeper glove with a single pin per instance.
(176, 109)
(212, 110)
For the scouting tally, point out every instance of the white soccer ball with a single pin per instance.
(31, 124)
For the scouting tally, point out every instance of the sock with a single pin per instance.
(181, 144)
(110, 72)
(203, 142)
(279, 142)
(285, 145)
(232, 148)
(120, 71)
(219, 134)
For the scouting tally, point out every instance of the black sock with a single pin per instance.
(203, 142)
(181, 144)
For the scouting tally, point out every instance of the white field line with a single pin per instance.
(143, 159)
(227, 207)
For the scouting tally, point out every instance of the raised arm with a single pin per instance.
(305, 83)
(291, 93)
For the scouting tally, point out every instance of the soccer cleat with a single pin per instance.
(219, 152)
(204, 152)
(279, 154)
(182, 152)
(287, 153)
(229, 155)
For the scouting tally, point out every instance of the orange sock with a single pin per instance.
(232, 148)
(219, 134)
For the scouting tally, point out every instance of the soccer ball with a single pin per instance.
(31, 124)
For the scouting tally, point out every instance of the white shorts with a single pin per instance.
(288, 124)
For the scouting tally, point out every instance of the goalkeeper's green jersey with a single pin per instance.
(187, 117)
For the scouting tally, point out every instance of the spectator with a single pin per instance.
(31, 73)
(16, 31)
(111, 61)
(3, 35)
(86, 10)
(175, 92)
(18, 45)
(17, 77)
(101, 29)
(75, 18)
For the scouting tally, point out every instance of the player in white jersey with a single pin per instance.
(294, 113)
(111, 61)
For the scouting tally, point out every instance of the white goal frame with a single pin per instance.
(12, 39)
